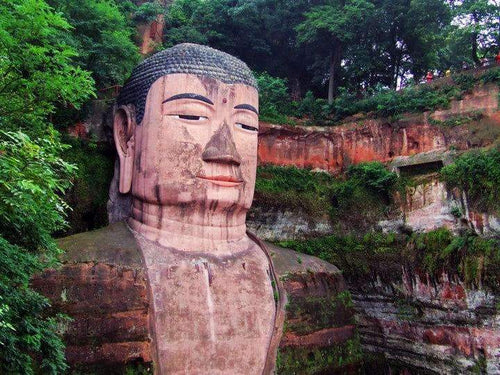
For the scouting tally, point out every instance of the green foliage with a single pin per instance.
(477, 33)
(103, 38)
(475, 260)
(32, 177)
(328, 28)
(477, 173)
(390, 103)
(327, 360)
(374, 176)
(364, 197)
(458, 120)
(148, 11)
(357, 256)
(274, 101)
(290, 187)
(309, 314)
(316, 110)
(359, 200)
(37, 76)
(36, 67)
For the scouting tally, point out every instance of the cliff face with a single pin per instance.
(417, 144)
(436, 326)
(429, 205)
(419, 323)
(278, 225)
(333, 148)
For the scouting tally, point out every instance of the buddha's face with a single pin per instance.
(197, 144)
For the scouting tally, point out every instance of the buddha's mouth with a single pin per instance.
(222, 180)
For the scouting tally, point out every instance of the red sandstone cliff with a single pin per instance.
(334, 148)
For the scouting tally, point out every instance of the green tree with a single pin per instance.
(37, 75)
(329, 29)
(475, 30)
(148, 12)
(103, 37)
(477, 174)
(274, 101)
(400, 38)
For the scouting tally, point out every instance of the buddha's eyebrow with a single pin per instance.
(189, 95)
(247, 106)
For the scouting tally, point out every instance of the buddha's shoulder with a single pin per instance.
(114, 244)
(288, 262)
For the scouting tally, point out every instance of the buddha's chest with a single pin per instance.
(211, 316)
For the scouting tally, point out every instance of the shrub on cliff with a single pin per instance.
(363, 197)
(274, 100)
(477, 174)
(357, 200)
(293, 188)
(380, 256)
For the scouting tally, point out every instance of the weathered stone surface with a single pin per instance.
(483, 98)
(429, 325)
(103, 286)
(151, 34)
(334, 148)
(319, 335)
(278, 225)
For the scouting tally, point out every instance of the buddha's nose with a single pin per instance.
(221, 148)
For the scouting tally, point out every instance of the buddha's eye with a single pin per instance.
(246, 127)
(190, 117)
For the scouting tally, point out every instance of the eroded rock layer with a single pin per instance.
(336, 147)
(435, 326)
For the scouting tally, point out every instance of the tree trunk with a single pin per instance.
(396, 72)
(335, 60)
(473, 40)
(295, 89)
(331, 80)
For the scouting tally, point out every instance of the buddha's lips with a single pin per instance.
(222, 180)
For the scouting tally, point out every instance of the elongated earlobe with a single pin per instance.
(124, 135)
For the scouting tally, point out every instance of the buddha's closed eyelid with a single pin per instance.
(188, 117)
(246, 127)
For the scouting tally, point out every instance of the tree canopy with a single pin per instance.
(354, 44)
(38, 74)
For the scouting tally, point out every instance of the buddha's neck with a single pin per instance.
(189, 229)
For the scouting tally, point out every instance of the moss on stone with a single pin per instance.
(327, 360)
(89, 194)
(312, 313)
(131, 368)
(474, 259)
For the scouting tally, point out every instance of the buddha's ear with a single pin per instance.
(124, 135)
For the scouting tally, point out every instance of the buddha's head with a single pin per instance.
(185, 127)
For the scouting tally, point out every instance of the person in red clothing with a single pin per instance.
(429, 76)
(497, 58)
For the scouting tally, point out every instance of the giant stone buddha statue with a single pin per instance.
(180, 284)
(186, 134)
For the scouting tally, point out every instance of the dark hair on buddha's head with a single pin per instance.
(182, 58)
